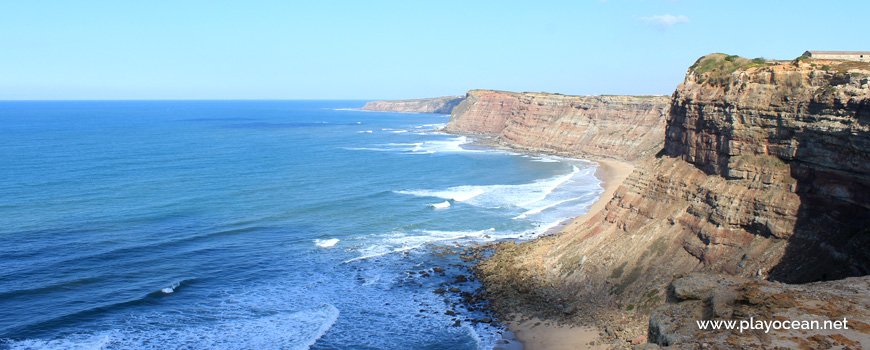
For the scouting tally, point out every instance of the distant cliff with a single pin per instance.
(623, 127)
(764, 172)
(441, 105)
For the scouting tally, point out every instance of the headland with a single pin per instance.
(754, 173)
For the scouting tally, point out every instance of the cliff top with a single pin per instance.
(555, 94)
(452, 97)
(717, 68)
(724, 62)
(443, 105)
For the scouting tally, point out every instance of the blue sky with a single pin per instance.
(394, 49)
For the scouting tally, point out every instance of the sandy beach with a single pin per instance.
(536, 334)
(612, 174)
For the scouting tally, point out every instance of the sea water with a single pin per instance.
(254, 224)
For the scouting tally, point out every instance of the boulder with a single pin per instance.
(507, 344)
(508, 335)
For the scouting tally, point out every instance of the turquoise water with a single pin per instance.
(253, 224)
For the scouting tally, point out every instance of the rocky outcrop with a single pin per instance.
(440, 105)
(624, 127)
(763, 174)
(763, 314)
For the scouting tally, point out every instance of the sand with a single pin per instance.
(539, 335)
(612, 174)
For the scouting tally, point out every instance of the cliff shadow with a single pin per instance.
(831, 237)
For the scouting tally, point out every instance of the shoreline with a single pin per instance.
(532, 332)
(536, 334)
(612, 173)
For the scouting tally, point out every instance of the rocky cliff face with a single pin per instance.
(763, 173)
(756, 305)
(441, 105)
(625, 127)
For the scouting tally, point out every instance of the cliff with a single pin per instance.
(626, 127)
(763, 174)
(441, 105)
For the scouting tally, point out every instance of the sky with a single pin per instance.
(96, 50)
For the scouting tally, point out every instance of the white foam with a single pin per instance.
(457, 194)
(453, 144)
(283, 330)
(326, 243)
(443, 205)
(401, 242)
(409, 148)
(171, 289)
(369, 149)
(380, 251)
(365, 131)
(73, 342)
(500, 196)
(551, 185)
(436, 126)
(545, 207)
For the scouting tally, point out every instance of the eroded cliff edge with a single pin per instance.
(763, 173)
(440, 105)
(621, 127)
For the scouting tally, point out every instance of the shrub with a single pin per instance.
(719, 67)
(797, 61)
(826, 67)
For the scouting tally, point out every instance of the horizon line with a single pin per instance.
(190, 99)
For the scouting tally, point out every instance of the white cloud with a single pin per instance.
(664, 21)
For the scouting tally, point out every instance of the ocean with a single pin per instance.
(255, 224)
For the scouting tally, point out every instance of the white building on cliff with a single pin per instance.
(860, 56)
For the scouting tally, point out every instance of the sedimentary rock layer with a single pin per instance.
(764, 172)
(441, 105)
(624, 127)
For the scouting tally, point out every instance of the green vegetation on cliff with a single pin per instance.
(719, 66)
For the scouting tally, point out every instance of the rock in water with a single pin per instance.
(508, 335)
